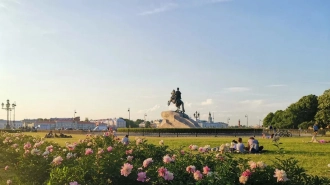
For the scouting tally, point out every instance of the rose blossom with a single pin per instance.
(243, 179)
(167, 159)
(58, 160)
(252, 164)
(182, 152)
(142, 176)
(88, 151)
(109, 149)
(281, 175)
(9, 182)
(126, 169)
(147, 162)
(247, 173)
(168, 176)
(161, 142)
(197, 175)
(27, 145)
(6, 168)
(191, 169)
(74, 183)
(161, 171)
(206, 170)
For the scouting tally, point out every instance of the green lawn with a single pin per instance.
(314, 157)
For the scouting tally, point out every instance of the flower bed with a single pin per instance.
(104, 160)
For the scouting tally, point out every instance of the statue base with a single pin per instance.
(172, 119)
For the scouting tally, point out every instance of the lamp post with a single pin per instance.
(8, 108)
(129, 114)
(259, 122)
(247, 121)
(196, 115)
(145, 120)
(228, 120)
(74, 116)
(14, 105)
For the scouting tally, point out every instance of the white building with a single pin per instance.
(211, 124)
(13, 124)
(120, 123)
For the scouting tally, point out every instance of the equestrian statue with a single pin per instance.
(176, 99)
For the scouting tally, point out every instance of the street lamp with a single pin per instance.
(8, 108)
(259, 122)
(129, 114)
(247, 121)
(74, 116)
(196, 115)
(14, 105)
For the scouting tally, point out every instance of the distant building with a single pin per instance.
(13, 124)
(211, 124)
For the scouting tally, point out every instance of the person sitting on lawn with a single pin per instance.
(240, 148)
(253, 145)
(233, 146)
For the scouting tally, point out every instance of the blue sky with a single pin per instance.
(229, 57)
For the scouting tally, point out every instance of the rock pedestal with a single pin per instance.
(173, 119)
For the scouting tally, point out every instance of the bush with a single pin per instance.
(105, 160)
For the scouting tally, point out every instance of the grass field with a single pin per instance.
(314, 157)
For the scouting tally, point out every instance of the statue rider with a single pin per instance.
(177, 95)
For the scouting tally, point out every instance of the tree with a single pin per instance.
(323, 113)
(86, 119)
(268, 120)
(148, 124)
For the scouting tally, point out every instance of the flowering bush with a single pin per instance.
(105, 160)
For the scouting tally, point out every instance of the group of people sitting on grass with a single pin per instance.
(252, 146)
(51, 135)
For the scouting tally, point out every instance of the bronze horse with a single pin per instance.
(177, 103)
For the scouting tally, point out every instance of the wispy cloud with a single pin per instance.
(252, 102)
(277, 85)
(164, 8)
(187, 104)
(149, 110)
(237, 89)
(219, 1)
(207, 102)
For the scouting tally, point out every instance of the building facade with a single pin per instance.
(211, 124)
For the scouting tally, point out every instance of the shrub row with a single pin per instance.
(192, 130)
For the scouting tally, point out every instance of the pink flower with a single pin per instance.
(74, 183)
(253, 165)
(206, 170)
(14, 145)
(173, 158)
(197, 175)
(182, 152)
(109, 149)
(129, 151)
(71, 147)
(191, 169)
(161, 171)
(129, 158)
(106, 134)
(243, 179)
(168, 176)
(147, 162)
(27, 145)
(142, 176)
(281, 175)
(126, 169)
(247, 173)
(58, 160)
(6, 168)
(100, 151)
(167, 159)
(201, 149)
(88, 151)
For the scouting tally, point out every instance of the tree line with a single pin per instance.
(303, 113)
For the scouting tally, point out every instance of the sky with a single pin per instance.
(228, 57)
